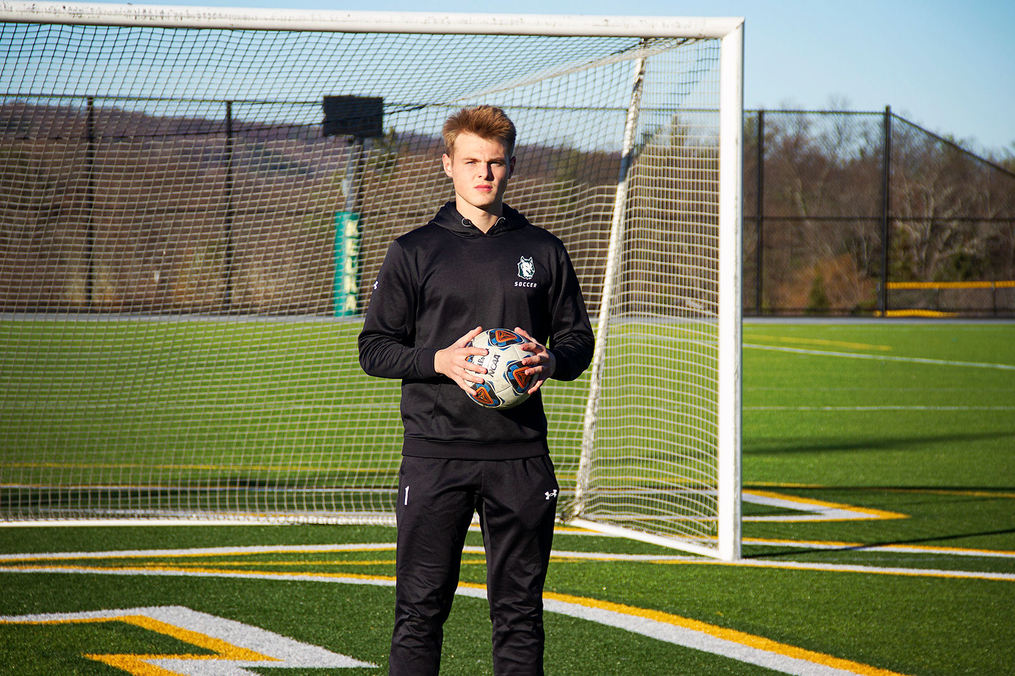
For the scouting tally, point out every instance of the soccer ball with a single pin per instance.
(506, 381)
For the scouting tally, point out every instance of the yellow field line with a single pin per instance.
(901, 548)
(936, 314)
(960, 492)
(205, 553)
(624, 616)
(138, 664)
(676, 560)
(848, 568)
(722, 633)
(1006, 284)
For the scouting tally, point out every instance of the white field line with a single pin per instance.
(257, 647)
(878, 408)
(865, 570)
(809, 510)
(559, 554)
(731, 644)
(16, 563)
(881, 357)
(309, 577)
(881, 549)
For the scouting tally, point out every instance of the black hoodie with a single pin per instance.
(436, 284)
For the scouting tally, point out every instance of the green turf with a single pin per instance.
(925, 430)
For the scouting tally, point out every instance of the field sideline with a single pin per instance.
(879, 481)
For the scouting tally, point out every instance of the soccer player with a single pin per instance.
(478, 264)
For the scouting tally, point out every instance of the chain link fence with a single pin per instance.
(869, 214)
(844, 213)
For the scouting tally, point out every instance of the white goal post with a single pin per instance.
(195, 202)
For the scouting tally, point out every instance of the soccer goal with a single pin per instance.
(195, 203)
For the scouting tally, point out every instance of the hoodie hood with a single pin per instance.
(450, 219)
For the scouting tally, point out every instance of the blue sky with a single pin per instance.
(946, 65)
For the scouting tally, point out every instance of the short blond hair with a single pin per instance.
(486, 122)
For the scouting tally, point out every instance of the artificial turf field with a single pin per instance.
(879, 482)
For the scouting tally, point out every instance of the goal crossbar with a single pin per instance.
(367, 22)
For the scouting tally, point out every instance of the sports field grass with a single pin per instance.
(879, 481)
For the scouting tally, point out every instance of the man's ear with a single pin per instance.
(446, 161)
(511, 166)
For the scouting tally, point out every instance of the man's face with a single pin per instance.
(479, 170)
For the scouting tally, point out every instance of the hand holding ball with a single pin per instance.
(507, 380)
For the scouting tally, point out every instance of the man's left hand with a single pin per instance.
(542, 363)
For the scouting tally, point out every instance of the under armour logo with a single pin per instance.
(550, 494)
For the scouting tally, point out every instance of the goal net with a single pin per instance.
(194, 204)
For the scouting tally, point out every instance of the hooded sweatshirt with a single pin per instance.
(436, 284)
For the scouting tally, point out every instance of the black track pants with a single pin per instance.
(516, 501)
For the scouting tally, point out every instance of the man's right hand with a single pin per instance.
(451, 361)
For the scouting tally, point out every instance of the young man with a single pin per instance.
(478, 264)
